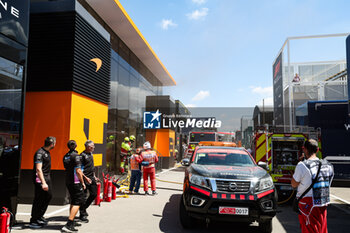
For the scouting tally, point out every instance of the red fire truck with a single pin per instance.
(280, 152)
(196, 137)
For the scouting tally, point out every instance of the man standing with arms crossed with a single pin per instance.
(75, 184)
(90, 178)
(42, 183)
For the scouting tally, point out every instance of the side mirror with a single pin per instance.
(263, 165)
(185, 162)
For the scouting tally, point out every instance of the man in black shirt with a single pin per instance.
(74, 182)
(42, 183)
(90, 178)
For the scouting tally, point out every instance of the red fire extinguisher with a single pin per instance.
(98, 197)
(5, 218)
(114, 190)
(105, 187)
(109, 194)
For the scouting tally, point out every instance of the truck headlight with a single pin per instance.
(265, 183)
(199, 180)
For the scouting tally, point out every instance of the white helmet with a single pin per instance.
(146, 145)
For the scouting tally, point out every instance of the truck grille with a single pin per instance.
(233, 186)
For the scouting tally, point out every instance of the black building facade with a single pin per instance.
(14, 18)
(47, 50)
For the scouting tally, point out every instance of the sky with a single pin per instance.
(220, 52)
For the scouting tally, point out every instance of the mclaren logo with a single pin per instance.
(98, 63)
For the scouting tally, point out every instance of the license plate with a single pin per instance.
(233, 211)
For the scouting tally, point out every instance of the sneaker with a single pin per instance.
(67, 228)
(84, 219)
(42, 221)
(154, 192)
(84, 213)
(76, 224)
(146, 193)
(36, 225)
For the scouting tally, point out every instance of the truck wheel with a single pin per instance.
(185, 219)
(266, 226)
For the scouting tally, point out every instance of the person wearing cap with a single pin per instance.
(135, 166)
(74, 183)
(124, 153)
(42, 183)
(313, 205)
(149, 158)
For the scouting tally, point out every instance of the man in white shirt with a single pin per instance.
(313, 206)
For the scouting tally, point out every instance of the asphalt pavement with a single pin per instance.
(159, 213)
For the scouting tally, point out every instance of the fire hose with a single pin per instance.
(285, 201)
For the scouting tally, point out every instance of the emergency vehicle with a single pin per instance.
(281, 153)
(196, 137)
(223, 183)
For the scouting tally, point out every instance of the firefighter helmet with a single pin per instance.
(132, 138)
(126, 139)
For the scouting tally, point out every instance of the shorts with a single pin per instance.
(76, 193)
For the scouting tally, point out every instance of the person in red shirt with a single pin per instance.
(149, 158)
(135, 166)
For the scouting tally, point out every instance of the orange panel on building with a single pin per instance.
(162, 140)
(46, 114)
(61, 114)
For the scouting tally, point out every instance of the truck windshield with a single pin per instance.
(198, 137)
(223, 159)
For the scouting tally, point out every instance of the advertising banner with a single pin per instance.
(14, 17)
(278, 90)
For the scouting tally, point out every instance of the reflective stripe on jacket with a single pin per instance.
(149, 156)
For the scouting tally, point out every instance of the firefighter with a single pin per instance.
(124, 153)
(110, 159)
(132, 141)
(42, 183)
(135, 166)
(89, 177)
(74, 183)
(193, 146)
(150, 157)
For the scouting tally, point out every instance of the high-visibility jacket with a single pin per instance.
(149, 156)
(135, 161)
(125, 148)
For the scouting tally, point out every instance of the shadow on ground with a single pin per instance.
(170, 222)
(49, 227)
(55, 223)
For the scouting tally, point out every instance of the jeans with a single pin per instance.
(135, 177)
